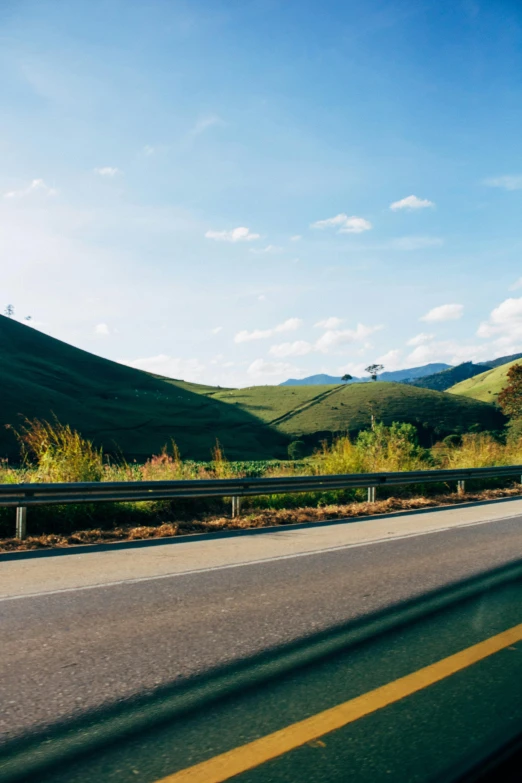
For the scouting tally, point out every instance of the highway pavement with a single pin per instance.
(83, 633)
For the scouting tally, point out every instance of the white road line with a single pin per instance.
(308, 553)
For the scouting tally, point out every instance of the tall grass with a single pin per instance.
(58, 453)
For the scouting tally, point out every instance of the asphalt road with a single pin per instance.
(66, 653)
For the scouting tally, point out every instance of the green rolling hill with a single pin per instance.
(136, 413)
(314, 412)
(487, 385)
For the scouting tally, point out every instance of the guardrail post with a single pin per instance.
(371, 494)
(21, 522)
(236, 505)
(461, 487)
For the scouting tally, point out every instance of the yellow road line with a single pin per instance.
(234, 762)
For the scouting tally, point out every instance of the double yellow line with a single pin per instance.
(253, 754)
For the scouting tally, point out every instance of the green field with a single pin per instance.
(127, 410)
(486, 386)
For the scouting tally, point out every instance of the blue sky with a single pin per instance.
(240, 191)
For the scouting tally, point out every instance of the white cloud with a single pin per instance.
(267, 249)
(344, 224)
(447, 351)
(355, 225)
(107, 171)
(391, 360)
(420, 339)
(329, 323)
(296, 238)
(206, 122)
(411, 202)
(290, 325)
(35, 186)
(330, 342)
(508, 182)
(217, 329)
(261, 298)
(517, 284)
(297, 348)
(446, 312)
(334, 339)
(272, 372)
(102, 330)
(239, 234)
(505, 321)
(170, 366)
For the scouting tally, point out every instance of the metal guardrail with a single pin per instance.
(22, 496)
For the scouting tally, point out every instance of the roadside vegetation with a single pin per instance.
(53, 452)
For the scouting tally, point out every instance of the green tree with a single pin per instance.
(347, 378)
(510, 398)
(374, 370)
(9, 311)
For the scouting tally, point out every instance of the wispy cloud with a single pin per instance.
(148, 150)
(107, 171)
(217, 329)
(516, 285)
(35, 186)
(329, 323)
(508, 182)
(239, 234)
(445, 312)
(206, 122)
(344, 224)
(420, 339)
(290, 325)
(102, 330)
(411, 203)
(296, 238)
(414, 243)
(267, 249)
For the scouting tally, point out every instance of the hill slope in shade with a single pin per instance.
(314, 412)
(486, 386)
(395, 375)
(117, 406)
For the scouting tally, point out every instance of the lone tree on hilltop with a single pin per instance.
(9, 311)
(510, 398)
(374, 370)
(347, 377)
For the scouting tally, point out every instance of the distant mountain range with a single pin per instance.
(399, 376)
(437, 376)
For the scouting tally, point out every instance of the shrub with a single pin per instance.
(60, 453)
(296, 449)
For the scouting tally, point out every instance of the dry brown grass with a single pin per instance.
(260, 519)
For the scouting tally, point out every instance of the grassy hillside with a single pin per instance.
(127, 410)
(117, 406)
(486, 386)
(316, 411)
